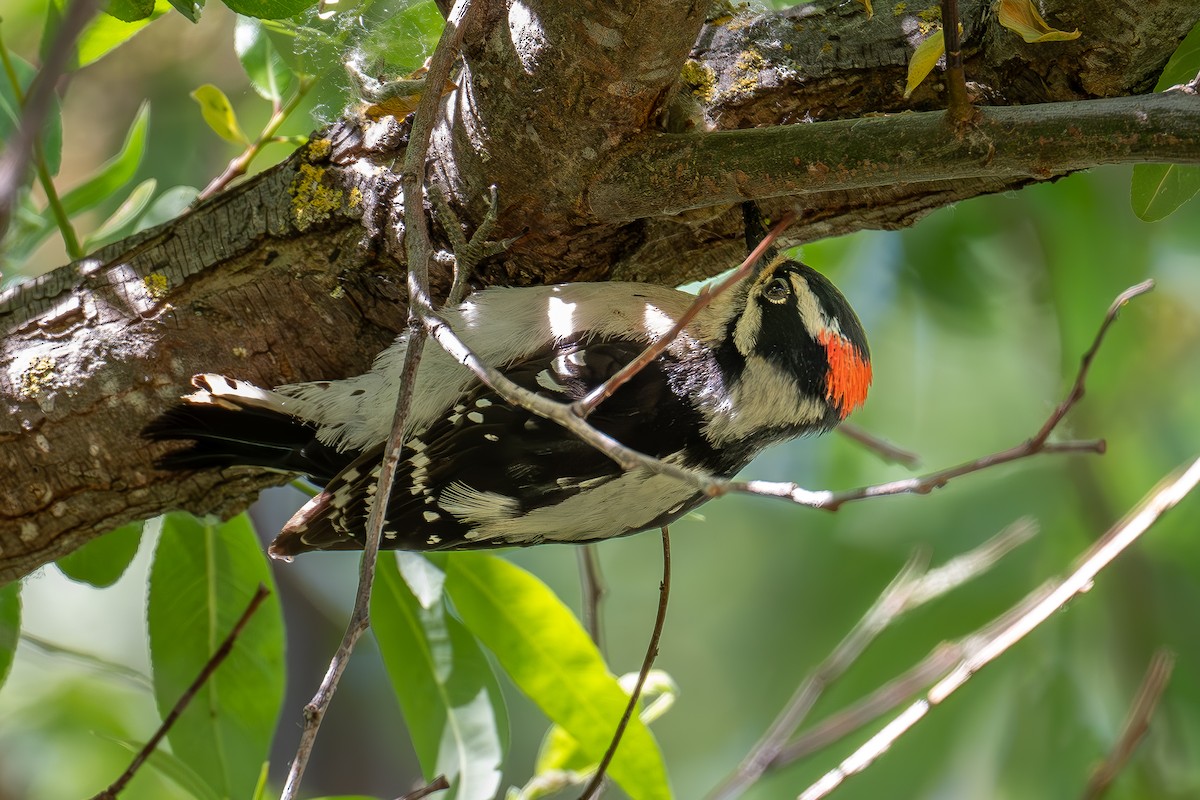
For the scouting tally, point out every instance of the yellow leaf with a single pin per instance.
(1021, 16)
(923, 60)
(218, 113)
(867, 6)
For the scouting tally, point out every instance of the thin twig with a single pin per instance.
(1036, 608)
(592, 588)
(582, 408)
(1137, 724)
(915, 585)
(881, 447)
(565, 415)
(959, 110)
(214, 661)
(664, 592)
(438, 784)
(238, 166)
(416, 241)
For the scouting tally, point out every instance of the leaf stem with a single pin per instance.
(70, 238)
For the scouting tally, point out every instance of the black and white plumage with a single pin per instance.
(780, 355)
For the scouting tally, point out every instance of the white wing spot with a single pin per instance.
(475, 417)
(546, 381)
(431, 516)
(433, 539)
(482, 402)
(491, 437)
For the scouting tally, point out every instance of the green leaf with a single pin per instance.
(1157, 190)
(1183, 64)
(10, 115)
(269, 9)
(549, 656)
(446, 688)
(106, 33)
(189, 8)
(268, 73)
(202, 578)
(10, 625)
(129, 10)
(169, 205)
(175, 771)
(103, 560)
(114, 173)
(219, 114)
(122, 221)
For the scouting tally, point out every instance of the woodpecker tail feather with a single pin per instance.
(234, 423)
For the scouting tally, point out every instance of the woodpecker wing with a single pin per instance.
(486, 463)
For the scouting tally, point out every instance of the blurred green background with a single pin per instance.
(977, 318)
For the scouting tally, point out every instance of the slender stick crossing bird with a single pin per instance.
(780, 355)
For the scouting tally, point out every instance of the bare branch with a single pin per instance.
(1036, 608)
(664, 593)
(1136, 725)
(591, 585)
(915, 585)
(881, 447)
(416, 241)
(214, 661)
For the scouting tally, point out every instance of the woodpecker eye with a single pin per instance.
(778, 290)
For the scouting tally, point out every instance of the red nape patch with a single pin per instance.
(849, 375)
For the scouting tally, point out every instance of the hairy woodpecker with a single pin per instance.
(780, 355)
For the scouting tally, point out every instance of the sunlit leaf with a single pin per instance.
(219, 114)
(103, 560)
(269, 9)
(114, 173)
(923, 60)
(203, 576)
(129, 10)
(445, 685)
(106, 33)
(268, 73)
(10, 625)
(550, 658)
(1021, 17)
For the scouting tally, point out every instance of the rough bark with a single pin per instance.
(603, 145)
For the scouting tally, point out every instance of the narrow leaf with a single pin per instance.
(219, 114)
(446, 688)
(175, 771)
(923, 60)
(103, 560)
(269, 75)
(1158, 190)
(114, 173)
(10, 625)
(550, 658)
(202, 578)
(167, 206)
(1021, 17)
(121, 222)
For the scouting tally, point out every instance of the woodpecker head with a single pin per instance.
(793, 351)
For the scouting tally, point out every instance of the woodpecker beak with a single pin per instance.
(849, 374)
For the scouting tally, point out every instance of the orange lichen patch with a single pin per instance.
(849, 373)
